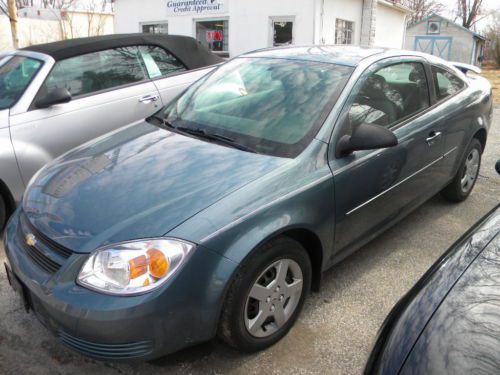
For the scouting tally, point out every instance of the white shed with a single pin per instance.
(442, 37)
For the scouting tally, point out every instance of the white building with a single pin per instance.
(232, 27)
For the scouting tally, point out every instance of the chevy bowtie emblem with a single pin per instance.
(30, 239)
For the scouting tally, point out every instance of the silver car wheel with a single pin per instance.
(273, 298)
(471, 170)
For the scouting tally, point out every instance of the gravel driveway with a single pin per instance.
(337, 328)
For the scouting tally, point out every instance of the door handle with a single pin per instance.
(149, 99)
(433, 136)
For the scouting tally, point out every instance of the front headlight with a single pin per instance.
(133, 267)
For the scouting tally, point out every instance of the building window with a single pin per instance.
(343, 31)
(282, 31)
(155, 28)
(213, 34)
(433, 27)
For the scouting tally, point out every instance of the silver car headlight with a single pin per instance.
(133, 267)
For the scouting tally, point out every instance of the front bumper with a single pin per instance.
(182, 312)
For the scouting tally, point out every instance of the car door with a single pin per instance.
(376, 187)
(109, 89)
(455, 116)
(168, 73)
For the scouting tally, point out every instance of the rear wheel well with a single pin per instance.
(481, 136)
(314, 249)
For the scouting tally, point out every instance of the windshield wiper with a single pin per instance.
(202, 133)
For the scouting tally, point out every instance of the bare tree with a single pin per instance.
(469, 12)
(9, 8)
(492, 47)
(95, 18)
(422, 9)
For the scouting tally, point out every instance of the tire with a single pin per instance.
(262, 267)
(462, 184)
(3, 213)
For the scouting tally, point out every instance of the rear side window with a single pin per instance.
(446, 83)
(160, 63)
(97, 71)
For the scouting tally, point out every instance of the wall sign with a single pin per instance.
(198, 7)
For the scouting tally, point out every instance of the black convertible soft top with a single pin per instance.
(185, 48)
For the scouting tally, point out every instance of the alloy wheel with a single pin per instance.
(471, 169)
(273, 298)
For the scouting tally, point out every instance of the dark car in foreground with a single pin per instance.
(449, 322)
(218, 214)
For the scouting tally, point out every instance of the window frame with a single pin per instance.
(375, 67)
(436, 100)
(353, 31)
(153, 23)
(213, 19)
(275, 19)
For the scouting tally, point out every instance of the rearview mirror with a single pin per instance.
(366, 137)
(57, 96)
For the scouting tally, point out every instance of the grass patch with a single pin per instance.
(493, 75)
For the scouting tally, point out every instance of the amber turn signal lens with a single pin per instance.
(158, 263)
(138, 266)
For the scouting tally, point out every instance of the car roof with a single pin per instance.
(334, 54)
(185, 48)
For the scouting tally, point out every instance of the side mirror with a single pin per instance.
(497, 166)
(366, 137)
(57, 96)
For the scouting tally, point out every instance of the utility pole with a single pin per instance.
(12, 8)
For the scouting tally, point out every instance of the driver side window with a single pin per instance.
(390, 95)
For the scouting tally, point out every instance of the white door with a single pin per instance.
(110, 89)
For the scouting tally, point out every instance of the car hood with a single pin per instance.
(139, 182)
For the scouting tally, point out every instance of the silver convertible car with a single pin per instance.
(56, 96)
(219, 213)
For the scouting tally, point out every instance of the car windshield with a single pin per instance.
(269, 106)
(16, 73)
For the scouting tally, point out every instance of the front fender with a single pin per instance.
(297, 195)
(309, 207)
(306, 209)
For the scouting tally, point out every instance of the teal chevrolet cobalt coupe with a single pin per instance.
(218, 214)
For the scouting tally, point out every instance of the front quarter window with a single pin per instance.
(16, 74)
(273, 106)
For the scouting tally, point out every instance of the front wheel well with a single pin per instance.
(7, 198)
(310, 241)
(481, 136)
